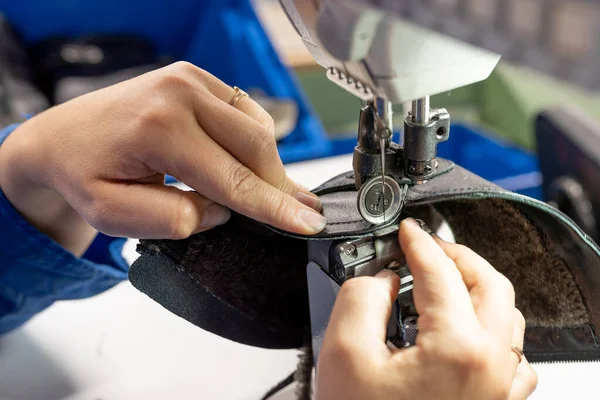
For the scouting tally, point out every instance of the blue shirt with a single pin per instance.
(35, 271)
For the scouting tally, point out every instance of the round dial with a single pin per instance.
(379, 202)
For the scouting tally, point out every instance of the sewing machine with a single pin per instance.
(372, 50)
(382, 60)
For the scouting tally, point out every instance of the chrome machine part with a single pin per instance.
(406, 278)
(377, 158)
(420, 110)
(376, 201)
(384, 112)
(383, 124)
(331, 263)
(353, 86)
(424, 129)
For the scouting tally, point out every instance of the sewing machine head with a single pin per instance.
(383, 59)
(371, 51)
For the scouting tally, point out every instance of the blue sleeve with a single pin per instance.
(35, 271)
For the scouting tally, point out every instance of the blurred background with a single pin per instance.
(532, 127)
(51, 52)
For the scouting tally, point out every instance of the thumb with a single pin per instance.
(361, 313)
(151, 211)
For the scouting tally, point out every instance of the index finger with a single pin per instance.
(245, 130)
(217, 175)
(439, 292)
(359, 319)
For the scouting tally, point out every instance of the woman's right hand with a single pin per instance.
(467, 325)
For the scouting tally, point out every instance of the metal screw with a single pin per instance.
(340, 272)
(428, 169)
(350, 250)
(412, 169)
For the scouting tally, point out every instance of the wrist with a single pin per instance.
(25, 169)
(17, 172)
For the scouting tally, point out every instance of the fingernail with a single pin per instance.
(385, 274)
(215, 215)
(312, 219)
(310, 200)
(411, 221)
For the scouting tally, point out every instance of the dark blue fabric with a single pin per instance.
(35, 271)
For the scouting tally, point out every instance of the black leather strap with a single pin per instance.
(256, 274)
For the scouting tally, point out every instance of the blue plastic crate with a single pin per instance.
(504, 164)
(497, 161)
(224, 37)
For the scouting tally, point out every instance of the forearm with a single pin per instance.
(23, 182)
(35, 271)
(41, 240)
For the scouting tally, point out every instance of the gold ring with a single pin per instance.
(239, 93)
(518, 351)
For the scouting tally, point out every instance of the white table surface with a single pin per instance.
(121, 345)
